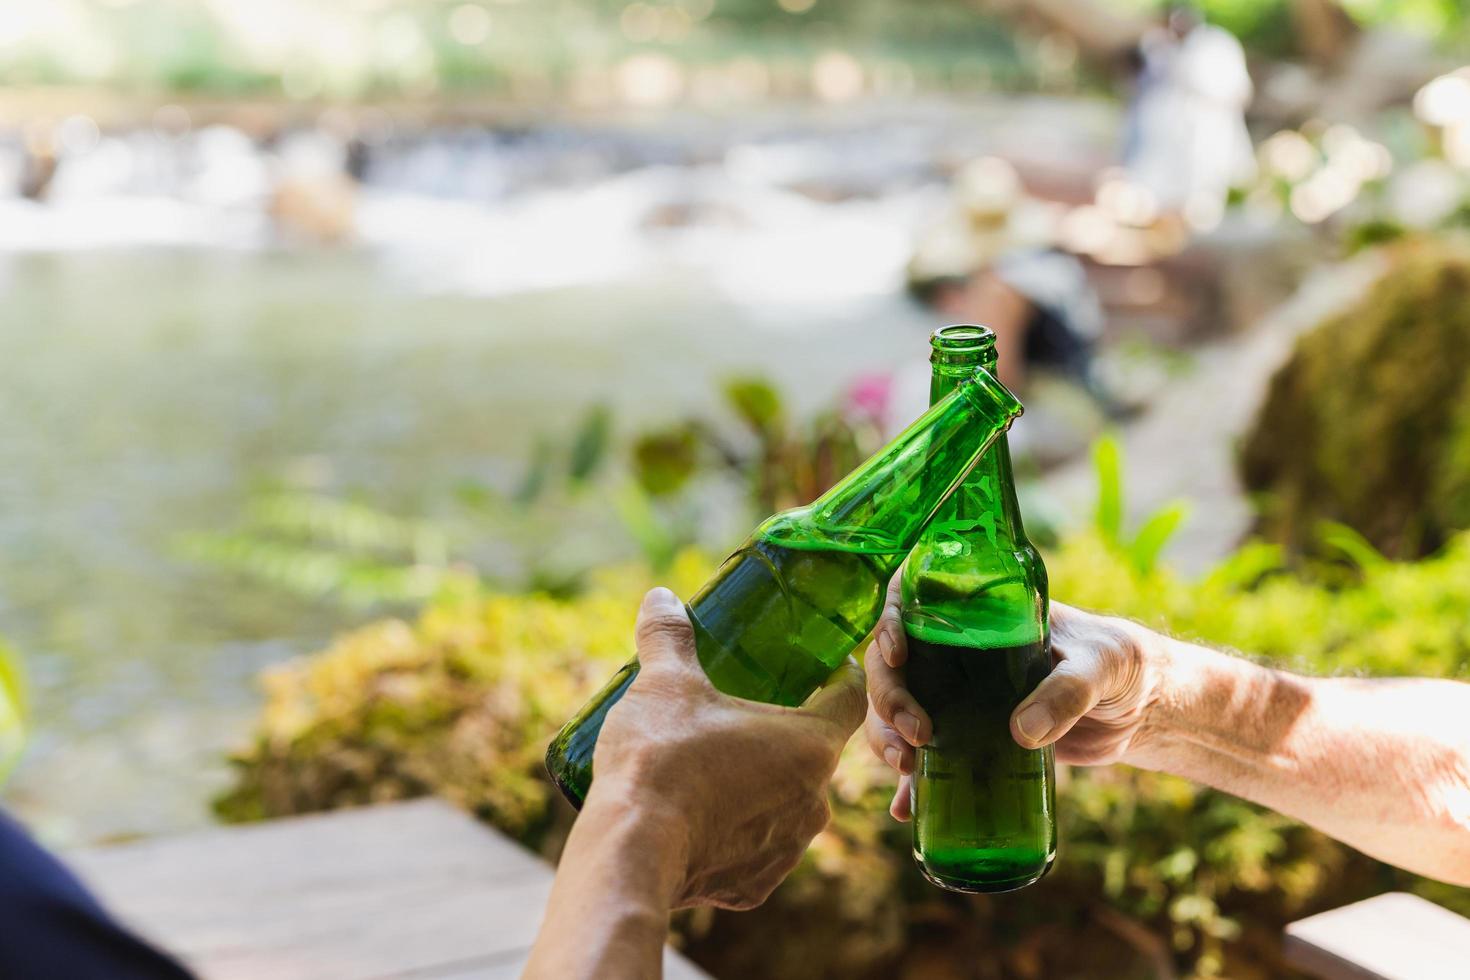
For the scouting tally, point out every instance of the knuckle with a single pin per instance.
(755, 894)
(818, 815)
(888, 700)
(873, 661)
(665, 626)
(1069, 689)
(890, 628)
(878, 734)
(813, 759)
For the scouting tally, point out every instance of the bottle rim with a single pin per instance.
(962, 337)
(962, 345)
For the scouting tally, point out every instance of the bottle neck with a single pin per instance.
(882, 507)
(988, 493)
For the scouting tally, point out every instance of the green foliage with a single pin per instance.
(664, 461)
(359, 554)
(1342, 539)
(783, 463)
(1368, 423)
(12, 710)
(462, 702)
(1143, 548)
(1264, 26)
(757, 403)
(1431, 16)
(591, 445)
(317, 546)
(1107, 462)
(659, 543)
(1370, 233)
(196, 46)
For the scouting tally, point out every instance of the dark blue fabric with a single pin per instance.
(51, 928)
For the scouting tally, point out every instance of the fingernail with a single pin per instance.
(892, 756)
(908, 725)
(1035, 722)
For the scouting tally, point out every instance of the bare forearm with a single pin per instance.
(608, 915)
(1382, 765)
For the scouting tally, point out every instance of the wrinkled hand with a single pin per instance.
(1092, 706)
(739, 787)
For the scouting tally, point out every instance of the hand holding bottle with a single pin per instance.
(1092, 705)
(738, 787)
(700, 799)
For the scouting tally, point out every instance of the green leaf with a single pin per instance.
(1144, 550)
(1107, 462)
(538, 474)
(658, 543)
(664, 462)
(756, 402)
(12, 711)
(589, 448)
(1242, 570)
(314, 573)
(331, 522)
(476, 496)
(1349, 543)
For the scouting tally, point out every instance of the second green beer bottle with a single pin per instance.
(808, 585)
(975, 616)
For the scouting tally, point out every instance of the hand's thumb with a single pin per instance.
(1068, 693)
(664, 634)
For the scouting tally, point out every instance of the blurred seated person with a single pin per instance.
(993, 260)
(1039, 303)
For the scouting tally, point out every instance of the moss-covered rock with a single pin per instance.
(1368, 423)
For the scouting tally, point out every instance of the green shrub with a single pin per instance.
(462, 701)
(1368, 423)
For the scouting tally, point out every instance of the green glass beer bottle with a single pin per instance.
(975, 616)
(808, 585)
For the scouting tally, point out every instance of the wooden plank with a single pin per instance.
(676, 967)
(1389, 937)
(414, 889)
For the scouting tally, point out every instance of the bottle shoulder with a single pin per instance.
(973, 595)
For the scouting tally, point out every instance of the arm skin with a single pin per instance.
(608, 914)
(700, 799)
(1381, 765)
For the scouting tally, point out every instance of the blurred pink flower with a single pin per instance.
(868, 397)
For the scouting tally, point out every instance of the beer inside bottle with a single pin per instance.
(975, 615)
(803, 591)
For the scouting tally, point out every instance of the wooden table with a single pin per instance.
(400, 890)
(1388, 937)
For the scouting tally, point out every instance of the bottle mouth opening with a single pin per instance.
(960, 347)
(962, 338)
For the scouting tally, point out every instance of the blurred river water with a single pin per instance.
(163, 354)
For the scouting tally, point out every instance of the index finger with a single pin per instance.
(888, 636)
(888, 694)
